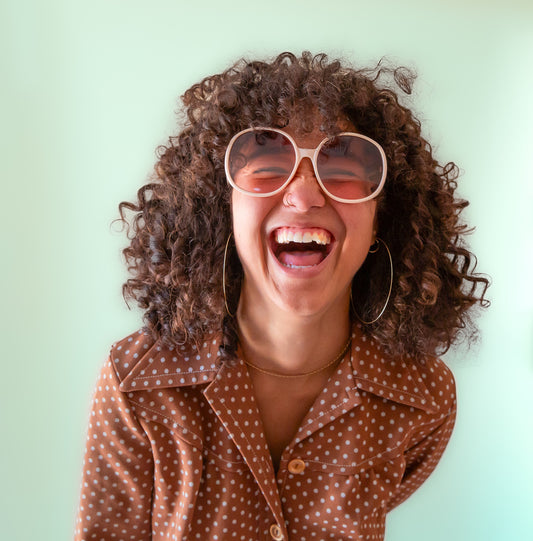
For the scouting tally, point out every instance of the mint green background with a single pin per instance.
(89, 89)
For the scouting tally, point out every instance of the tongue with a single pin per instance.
(301, 259)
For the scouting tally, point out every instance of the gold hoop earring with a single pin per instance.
(377, 242)
(224, 276)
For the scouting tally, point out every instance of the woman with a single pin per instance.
(299, 259)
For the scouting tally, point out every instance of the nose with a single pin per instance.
(304, 192)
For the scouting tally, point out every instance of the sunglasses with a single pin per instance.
(261, 162)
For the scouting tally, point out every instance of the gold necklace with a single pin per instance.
(280, 375)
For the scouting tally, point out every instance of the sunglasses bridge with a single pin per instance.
(302, 153)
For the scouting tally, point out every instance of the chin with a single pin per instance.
(308, 305)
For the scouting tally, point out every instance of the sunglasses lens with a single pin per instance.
(260, 161)
(350, 167)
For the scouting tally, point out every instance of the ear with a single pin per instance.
(375, 227)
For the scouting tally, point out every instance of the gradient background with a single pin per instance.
(90, 89)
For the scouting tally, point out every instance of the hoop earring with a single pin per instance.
(377, 242)
(224, 276)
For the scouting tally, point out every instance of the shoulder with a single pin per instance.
(125, 354)
(427, 384)
(439, 381)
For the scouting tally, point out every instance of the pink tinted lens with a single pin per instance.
(260, 161)
(350, 167)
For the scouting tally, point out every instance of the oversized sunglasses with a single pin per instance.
(350, 167)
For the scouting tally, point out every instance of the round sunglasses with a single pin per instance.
(261, 162)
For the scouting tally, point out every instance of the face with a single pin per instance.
(299, 248)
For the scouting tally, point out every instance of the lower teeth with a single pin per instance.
(289, 266)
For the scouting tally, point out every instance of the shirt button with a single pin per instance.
(296, 465)
(275, 532)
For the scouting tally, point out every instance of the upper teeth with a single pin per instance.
(284, 236)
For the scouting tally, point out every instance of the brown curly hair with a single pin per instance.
(182, 217)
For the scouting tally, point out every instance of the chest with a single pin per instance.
(228, 479)
(283, 404)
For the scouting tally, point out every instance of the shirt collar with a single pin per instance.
(143, 364)
(398, 379)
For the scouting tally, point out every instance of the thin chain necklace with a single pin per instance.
(281, 375)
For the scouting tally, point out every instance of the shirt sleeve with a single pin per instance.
(423, 454)
(117, 480)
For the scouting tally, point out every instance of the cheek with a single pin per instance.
(360, 234)
(243, 214)
(248, 215)
(363, 221)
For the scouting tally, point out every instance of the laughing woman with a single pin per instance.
(300, 263)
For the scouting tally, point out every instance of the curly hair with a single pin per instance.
(182, 217)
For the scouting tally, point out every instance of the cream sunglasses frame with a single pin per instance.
(302, 153)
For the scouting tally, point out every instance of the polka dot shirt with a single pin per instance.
(176, 450)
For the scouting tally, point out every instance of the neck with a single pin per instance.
(290, 343)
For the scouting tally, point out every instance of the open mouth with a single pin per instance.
(301, 248)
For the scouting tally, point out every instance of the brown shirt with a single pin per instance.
(175, 447)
